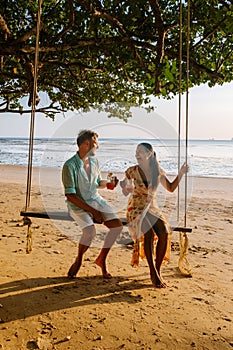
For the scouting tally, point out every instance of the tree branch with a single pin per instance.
(12, 48)
(3, 26)
(160, 43)
(196, 66)
(101, 13)
(25, 36)
(48, 109)
(208, 34)
(70, 65)
(70, 24)
(114, 22)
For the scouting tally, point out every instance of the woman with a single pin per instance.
(144, 217)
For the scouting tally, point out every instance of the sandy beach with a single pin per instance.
(40, 308)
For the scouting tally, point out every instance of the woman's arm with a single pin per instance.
(172, 185)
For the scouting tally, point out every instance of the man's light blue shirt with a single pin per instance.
(76, 181)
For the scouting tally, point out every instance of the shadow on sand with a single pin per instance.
(41, 295)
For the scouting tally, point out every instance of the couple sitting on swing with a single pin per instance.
(82, 178)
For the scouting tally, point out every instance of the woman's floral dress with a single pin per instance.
(141, 201)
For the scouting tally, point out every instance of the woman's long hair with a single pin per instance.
(153, 163)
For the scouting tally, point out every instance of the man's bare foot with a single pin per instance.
(102, 265)
(74, 269)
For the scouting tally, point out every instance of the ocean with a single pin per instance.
(208, 158)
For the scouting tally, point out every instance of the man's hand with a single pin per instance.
(98, 217)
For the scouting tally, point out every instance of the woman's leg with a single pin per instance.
(148, 248)
(161, 247)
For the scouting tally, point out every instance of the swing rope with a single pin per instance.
(27, 221)
(183, 262)
(179, 102)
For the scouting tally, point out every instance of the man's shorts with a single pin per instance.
(84, 218)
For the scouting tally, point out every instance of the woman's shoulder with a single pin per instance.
(132, 169)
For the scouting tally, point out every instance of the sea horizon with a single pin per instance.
(114, 138)
(206, 157)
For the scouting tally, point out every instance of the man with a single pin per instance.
(81, 179)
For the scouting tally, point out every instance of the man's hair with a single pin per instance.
(85, 135)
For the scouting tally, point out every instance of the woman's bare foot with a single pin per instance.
(157, 281)
(163, 282)
(74, 269)
(102, 265)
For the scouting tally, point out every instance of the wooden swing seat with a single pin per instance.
(64, 215)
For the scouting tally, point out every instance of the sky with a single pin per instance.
(210, 116)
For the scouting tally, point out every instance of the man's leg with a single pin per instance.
(115, 228)
(84, 244)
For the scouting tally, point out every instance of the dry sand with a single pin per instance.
(41, 309)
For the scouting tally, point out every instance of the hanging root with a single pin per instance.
(183, 262)
(28, 222)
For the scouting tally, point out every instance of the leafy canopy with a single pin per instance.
(108, 52)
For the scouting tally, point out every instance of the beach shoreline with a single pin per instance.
(41, 308)
(200, 185)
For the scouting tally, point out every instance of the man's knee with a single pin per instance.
(119, 225)
(114, 224)
(88, 235)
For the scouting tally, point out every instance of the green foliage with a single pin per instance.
(108, 54)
